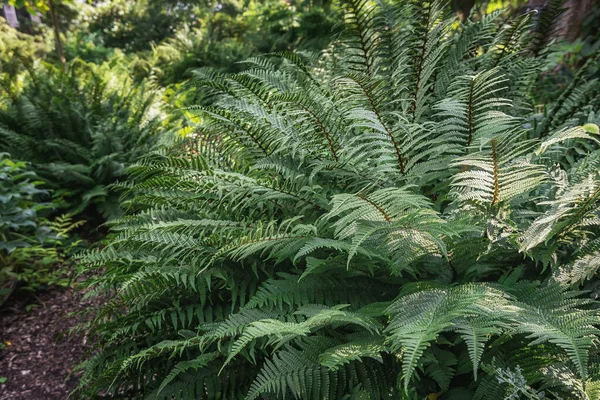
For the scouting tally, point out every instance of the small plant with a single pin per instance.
(21, 232)
(30, 246)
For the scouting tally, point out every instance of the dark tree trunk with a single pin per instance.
(463, 8)
(59, 46)
(568, 25)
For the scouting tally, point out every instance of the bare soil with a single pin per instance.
(39, 354)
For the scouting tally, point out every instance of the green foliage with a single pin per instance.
(79, 129)
(388, 221)
(88, 47)
(28, 243)
(19, 210)
(132, 26)
(16, 50)
(174, 60)
(228, 35)
(31, 6)
(261, 25)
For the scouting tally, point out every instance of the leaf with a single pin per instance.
(591, 128)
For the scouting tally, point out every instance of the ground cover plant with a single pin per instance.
(21, 233)
(32, 247)
(391, 220)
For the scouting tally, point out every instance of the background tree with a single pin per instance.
(570, 23)
(45, 6)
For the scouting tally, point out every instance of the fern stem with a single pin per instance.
(254, 139)
(381, 211)
(453, 269)
(247, 128)
(324, 130)
(514, 30)
(361, 36)
(413, 108)
(279, 190)
(470, 115)
(589, 201)
(549, 121)
(387, 130)
(496, 174)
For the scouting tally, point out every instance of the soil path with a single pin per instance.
(38, 358)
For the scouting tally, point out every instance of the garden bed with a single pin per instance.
(39, 356)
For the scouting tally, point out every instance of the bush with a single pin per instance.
(28, 243)
(79, 129)
(16, 50)
(225, 39)
(175, 59)
(88, 47)
(132, 26)
(391, 221)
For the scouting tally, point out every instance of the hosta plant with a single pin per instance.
(389, 221)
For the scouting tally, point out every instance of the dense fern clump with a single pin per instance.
(79, 128)
(389, 221)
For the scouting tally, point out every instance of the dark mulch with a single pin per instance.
(39, 361)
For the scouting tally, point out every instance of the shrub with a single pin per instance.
(17, 49)
(87, 47)
(225, 39)
(28, 242)
(79, 129)
(176, 58)
(132, 26)
(391, 221)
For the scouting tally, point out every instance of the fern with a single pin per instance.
(385, 221)
(79, 129)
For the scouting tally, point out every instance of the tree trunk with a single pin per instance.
(463, 8)
(569, 23)
(59, 46)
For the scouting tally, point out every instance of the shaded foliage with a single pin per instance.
(79, 129)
